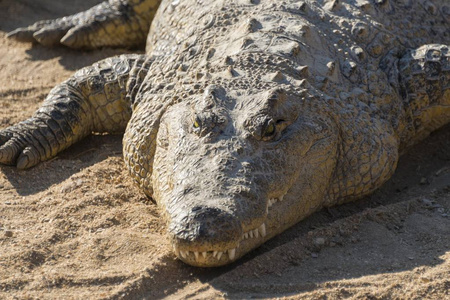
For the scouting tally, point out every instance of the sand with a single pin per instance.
(77, 227)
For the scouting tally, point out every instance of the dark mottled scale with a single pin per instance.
(423, 73)
(424, 76)
(137, 75)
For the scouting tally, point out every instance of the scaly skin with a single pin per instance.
(247, 116)
(93, 100)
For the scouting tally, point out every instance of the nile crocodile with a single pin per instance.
(246, 116)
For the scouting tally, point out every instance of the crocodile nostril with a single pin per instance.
(196, 208)
(203, 226)
(187, 190)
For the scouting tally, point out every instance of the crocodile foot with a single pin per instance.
(26, 144)
(113, 23)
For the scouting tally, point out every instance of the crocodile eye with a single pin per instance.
(196, 124)
(269, 129)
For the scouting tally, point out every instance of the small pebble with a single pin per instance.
(319, 241)
(427, 202)
(314, 255)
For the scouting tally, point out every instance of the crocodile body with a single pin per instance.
(246, 116)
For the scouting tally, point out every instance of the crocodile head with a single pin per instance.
(234, 168)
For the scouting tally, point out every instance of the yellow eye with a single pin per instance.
(196, 124)
(270, 129)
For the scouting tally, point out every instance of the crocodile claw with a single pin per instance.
(22, 34)
(20, 148)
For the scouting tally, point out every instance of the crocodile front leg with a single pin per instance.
(421, 79)
(424, 84)
(113, 23)
(93, 99)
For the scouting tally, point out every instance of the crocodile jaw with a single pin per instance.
(214, 257)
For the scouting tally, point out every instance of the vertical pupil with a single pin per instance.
(270, 129)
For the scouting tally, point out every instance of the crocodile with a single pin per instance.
(244, 117)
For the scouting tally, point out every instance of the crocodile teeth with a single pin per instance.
(232, 253)
(262, 229)
(254, 233)
(272, 201)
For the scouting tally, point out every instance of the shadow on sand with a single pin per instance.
(89, 151)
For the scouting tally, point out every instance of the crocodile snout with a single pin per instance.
(205, 236)
(205, 228)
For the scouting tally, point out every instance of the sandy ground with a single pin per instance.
(76, 227)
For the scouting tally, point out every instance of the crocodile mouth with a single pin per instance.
(219, 257)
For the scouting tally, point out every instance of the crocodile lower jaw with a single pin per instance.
(213, 258)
